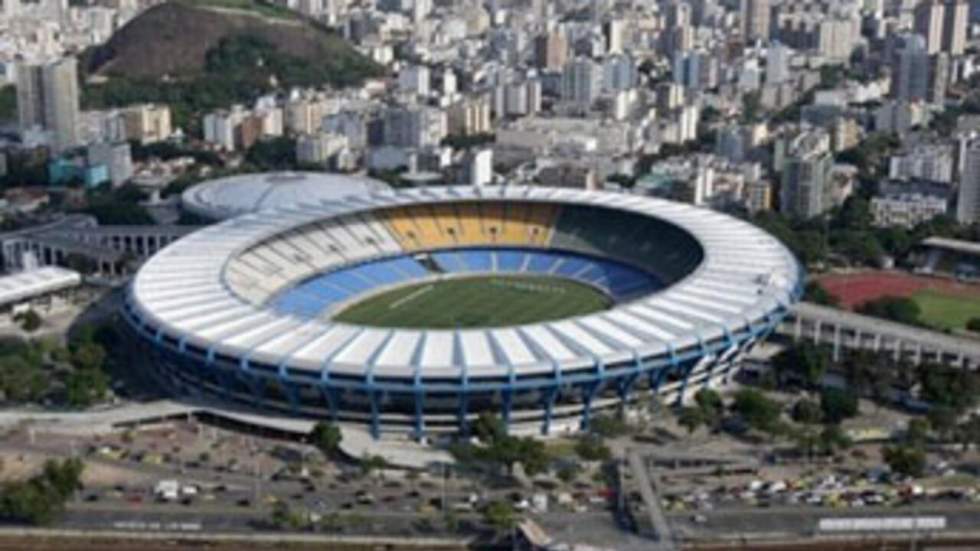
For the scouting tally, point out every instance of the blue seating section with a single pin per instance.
(316, 296)
(312, 297)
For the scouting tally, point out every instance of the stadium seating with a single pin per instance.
(578, 242)
(426, 227)
(315, 296)
(642, 241)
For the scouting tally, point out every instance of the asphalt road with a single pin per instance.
(802, 521)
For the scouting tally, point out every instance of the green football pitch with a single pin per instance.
(946, 311)
(486, 301)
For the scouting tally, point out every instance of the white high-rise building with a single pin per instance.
(943, 25)
(968, 197)
(480, 167)
(414, 79)
(777, 63)
(755, 19)
(47, 99)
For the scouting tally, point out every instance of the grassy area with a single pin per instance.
(946, 311)
(477, 302)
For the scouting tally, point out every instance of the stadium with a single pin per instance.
(415, 311)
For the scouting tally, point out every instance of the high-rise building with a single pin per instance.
(614, 31)
(469, 116)
(479, 166)
(619, 73)
(968, 197)
(10, 8)
(550, 51)
(777, 63)
(581, 80)
(943, 24)
(696, 70)
(755, 19)
(117, 158)
(929, 23)
(910, 71)
(956, 18)
(414, 79)
(147, 123)
(806, 189)
(47, 99)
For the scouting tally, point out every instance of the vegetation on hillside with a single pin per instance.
(224, 58)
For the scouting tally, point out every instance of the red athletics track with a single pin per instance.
(857, 288)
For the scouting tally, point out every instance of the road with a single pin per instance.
(802, 521)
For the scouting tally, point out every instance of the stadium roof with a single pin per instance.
(745, 276)
(35, 283)
(228, 197)
(956, 245)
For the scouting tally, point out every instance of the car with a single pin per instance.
(699, 519)
(244, 502)
(92, 498)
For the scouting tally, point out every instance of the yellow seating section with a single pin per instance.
(487, 223)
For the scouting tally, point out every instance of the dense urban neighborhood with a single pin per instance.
(490, 274)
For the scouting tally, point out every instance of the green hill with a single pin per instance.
(198, 55)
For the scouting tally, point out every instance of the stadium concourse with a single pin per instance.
(248, 310)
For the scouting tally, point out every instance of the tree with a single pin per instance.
(30, 321)
(504, 449)
(500, 516)
(88, 356)
(806, 360)
(899, 309)
(968, 432)
(917, 432)
(837, 405)
(758, 410)
(608, 426)
(489, 427)
(973, 324)
(816, 293)
(591, 448)
(711, 405)
(807, 412)
(327, 438)
(41, 498)
(21, 380)
(905, 459)
(82, 264)
(568, 473)
(690, 418)
(942, 419)
(372, 464)
(84, 387)
(833, 438)
(273, 154)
